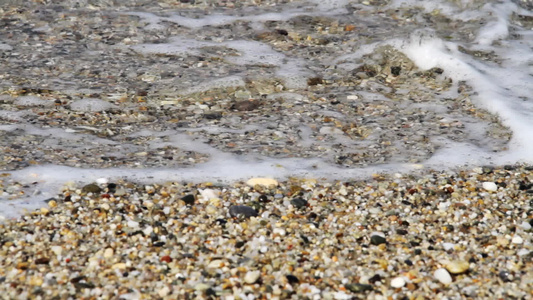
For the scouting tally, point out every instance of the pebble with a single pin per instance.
(261, 181)
(91, 188)
(358, 287)
(299, 203)
(252, 276)
(490, 186)
(398, 282)
(517, 239)
(457, 266)
(377, 239)
(188, 199)
(443, 276)
(242, 210)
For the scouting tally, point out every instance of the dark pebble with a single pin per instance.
(91, 188)
(189, 199)
(213, 116)
(505, 276)
(314, 81)
(242, 210)
(377, 240)
(246, 105)
(375, 279)
(401, 231)
(358, 287)
(395, 70)
(292, 279)
(42, 261)
(239, 244)
(299, 203)
(263, 198)
(220, 222)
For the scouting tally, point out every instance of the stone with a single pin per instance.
(358, 287)
(266, 182)
(397, 282)
(517, 239)
(490, 186)
(188, 199)
(457, 266)
(377, 239)
(242, 211)
(251, 277)
(443, 276)
(91, 188)
(299, 203)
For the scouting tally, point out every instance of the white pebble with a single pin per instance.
(252, 276)
(164, 291)
(490, 186)
(133, 224)
(525, 225)
(517, 239)
(523, 252)
(57, 250)
(108, 252)
(397, 282)
(443, 276)
(448, 246)
(266, 182)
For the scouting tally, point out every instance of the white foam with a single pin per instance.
(91, 105)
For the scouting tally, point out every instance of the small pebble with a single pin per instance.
(443, 276)
(457, 266)
(517, 239)
(490, 186)
(397, 282)
(377, 239)
(358, 287)
(242, 210)
(299, 203)
(252, 276)
(266, 182)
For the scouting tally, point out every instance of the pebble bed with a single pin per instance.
(463, 234)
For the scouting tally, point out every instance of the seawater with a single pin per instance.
(505, 89)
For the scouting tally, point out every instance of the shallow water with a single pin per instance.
(191, 63)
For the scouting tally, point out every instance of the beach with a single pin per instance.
(266, 149)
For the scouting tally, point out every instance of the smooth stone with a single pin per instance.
(215, 264)
(443, 276)
(252, 276)
(266, 182)
(188, 199)
(448, 246)
(457, 266)
(91, 188)
(517, 239)
(377, 239)
(108, 252)
(358, 287)
(242, 210)
(490, 186)
(292, 279)
(299, 203)
(398, 282)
